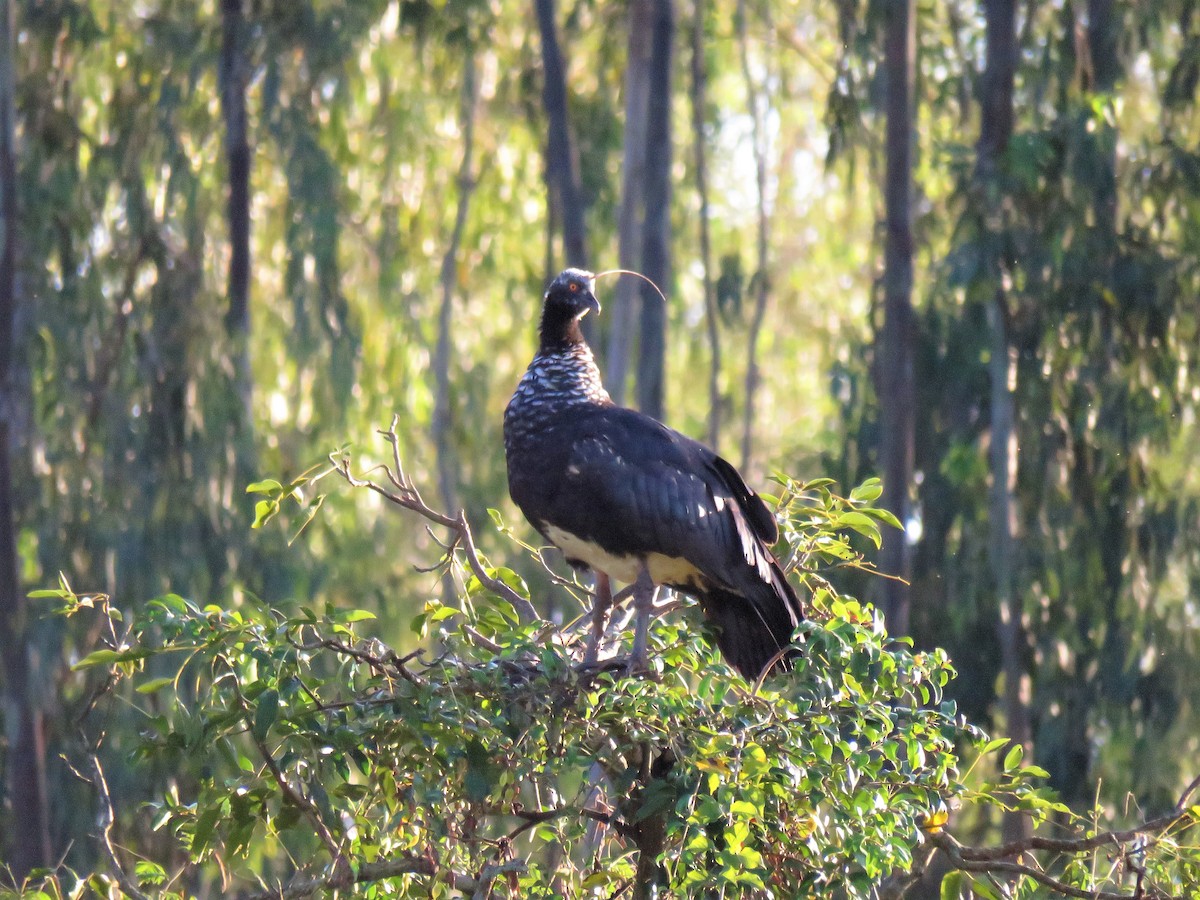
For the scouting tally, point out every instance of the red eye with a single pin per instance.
(574, 287)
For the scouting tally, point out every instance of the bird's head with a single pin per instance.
(572, 293)
(567, 300)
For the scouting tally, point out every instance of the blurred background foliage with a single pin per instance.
(402, 229)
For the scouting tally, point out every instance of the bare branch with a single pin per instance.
(391, 868)
(530, 818)
(955, 852)
(408, 497)
(1000, 859)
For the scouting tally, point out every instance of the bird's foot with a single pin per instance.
(644, 592)
(604, 603)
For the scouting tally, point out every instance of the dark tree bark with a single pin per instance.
(656, 236)
(711, 321)
(894, 371)
(562, 167)
(28, 843)
(996, 127)
(233, 80)
(633, 177)
(1105, 68)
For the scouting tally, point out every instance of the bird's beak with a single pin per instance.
(590, 302)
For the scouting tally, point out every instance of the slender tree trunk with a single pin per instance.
(649, 831)
(442, 414)
(234, 78)
(562, 166)
(711, 321)
(656, 237)
(762, 278)
(895, 360)
(1105, 68)
(633, 177)
(996, 127)
(28, 841)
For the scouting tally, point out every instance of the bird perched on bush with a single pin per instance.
(637, 502)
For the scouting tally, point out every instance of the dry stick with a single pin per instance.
(107, 817)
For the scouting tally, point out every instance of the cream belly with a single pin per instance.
(663, 569)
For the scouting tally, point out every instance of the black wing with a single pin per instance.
(634, 487)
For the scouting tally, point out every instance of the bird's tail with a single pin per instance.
(753, 627)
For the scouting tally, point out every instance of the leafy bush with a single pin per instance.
(496, 763)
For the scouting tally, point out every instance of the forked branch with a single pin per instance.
(1004, 859)
(404, 493)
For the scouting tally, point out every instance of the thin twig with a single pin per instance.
(997, 859)
(407, 496)
(533, 818)
(953, 850)
(107, 817)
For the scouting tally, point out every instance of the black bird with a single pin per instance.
(626, 496)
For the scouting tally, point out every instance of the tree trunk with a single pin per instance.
(1105, 69)
(649, 831)
(233, 79)
(656, 236)
(711, 321)
(562, 166)
(895, 359)
(28, 843)
(996, 127)
(442, 415)
(761, 280)
(629, 218)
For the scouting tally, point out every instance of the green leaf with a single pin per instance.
(1012, 758)
(150, 873)
(266, 713)
(313, 508)
(264, 511)
(869, 490)
(268, 486)
(43, 593)
(350, 616)
(885, 516)
(984, 889)
(951, 886)
(861, 523)
(202, 833)
(153, 685)
(108, 657)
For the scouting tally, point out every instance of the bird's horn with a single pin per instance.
(648, 281)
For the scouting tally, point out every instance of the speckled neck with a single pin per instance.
(555, 380)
